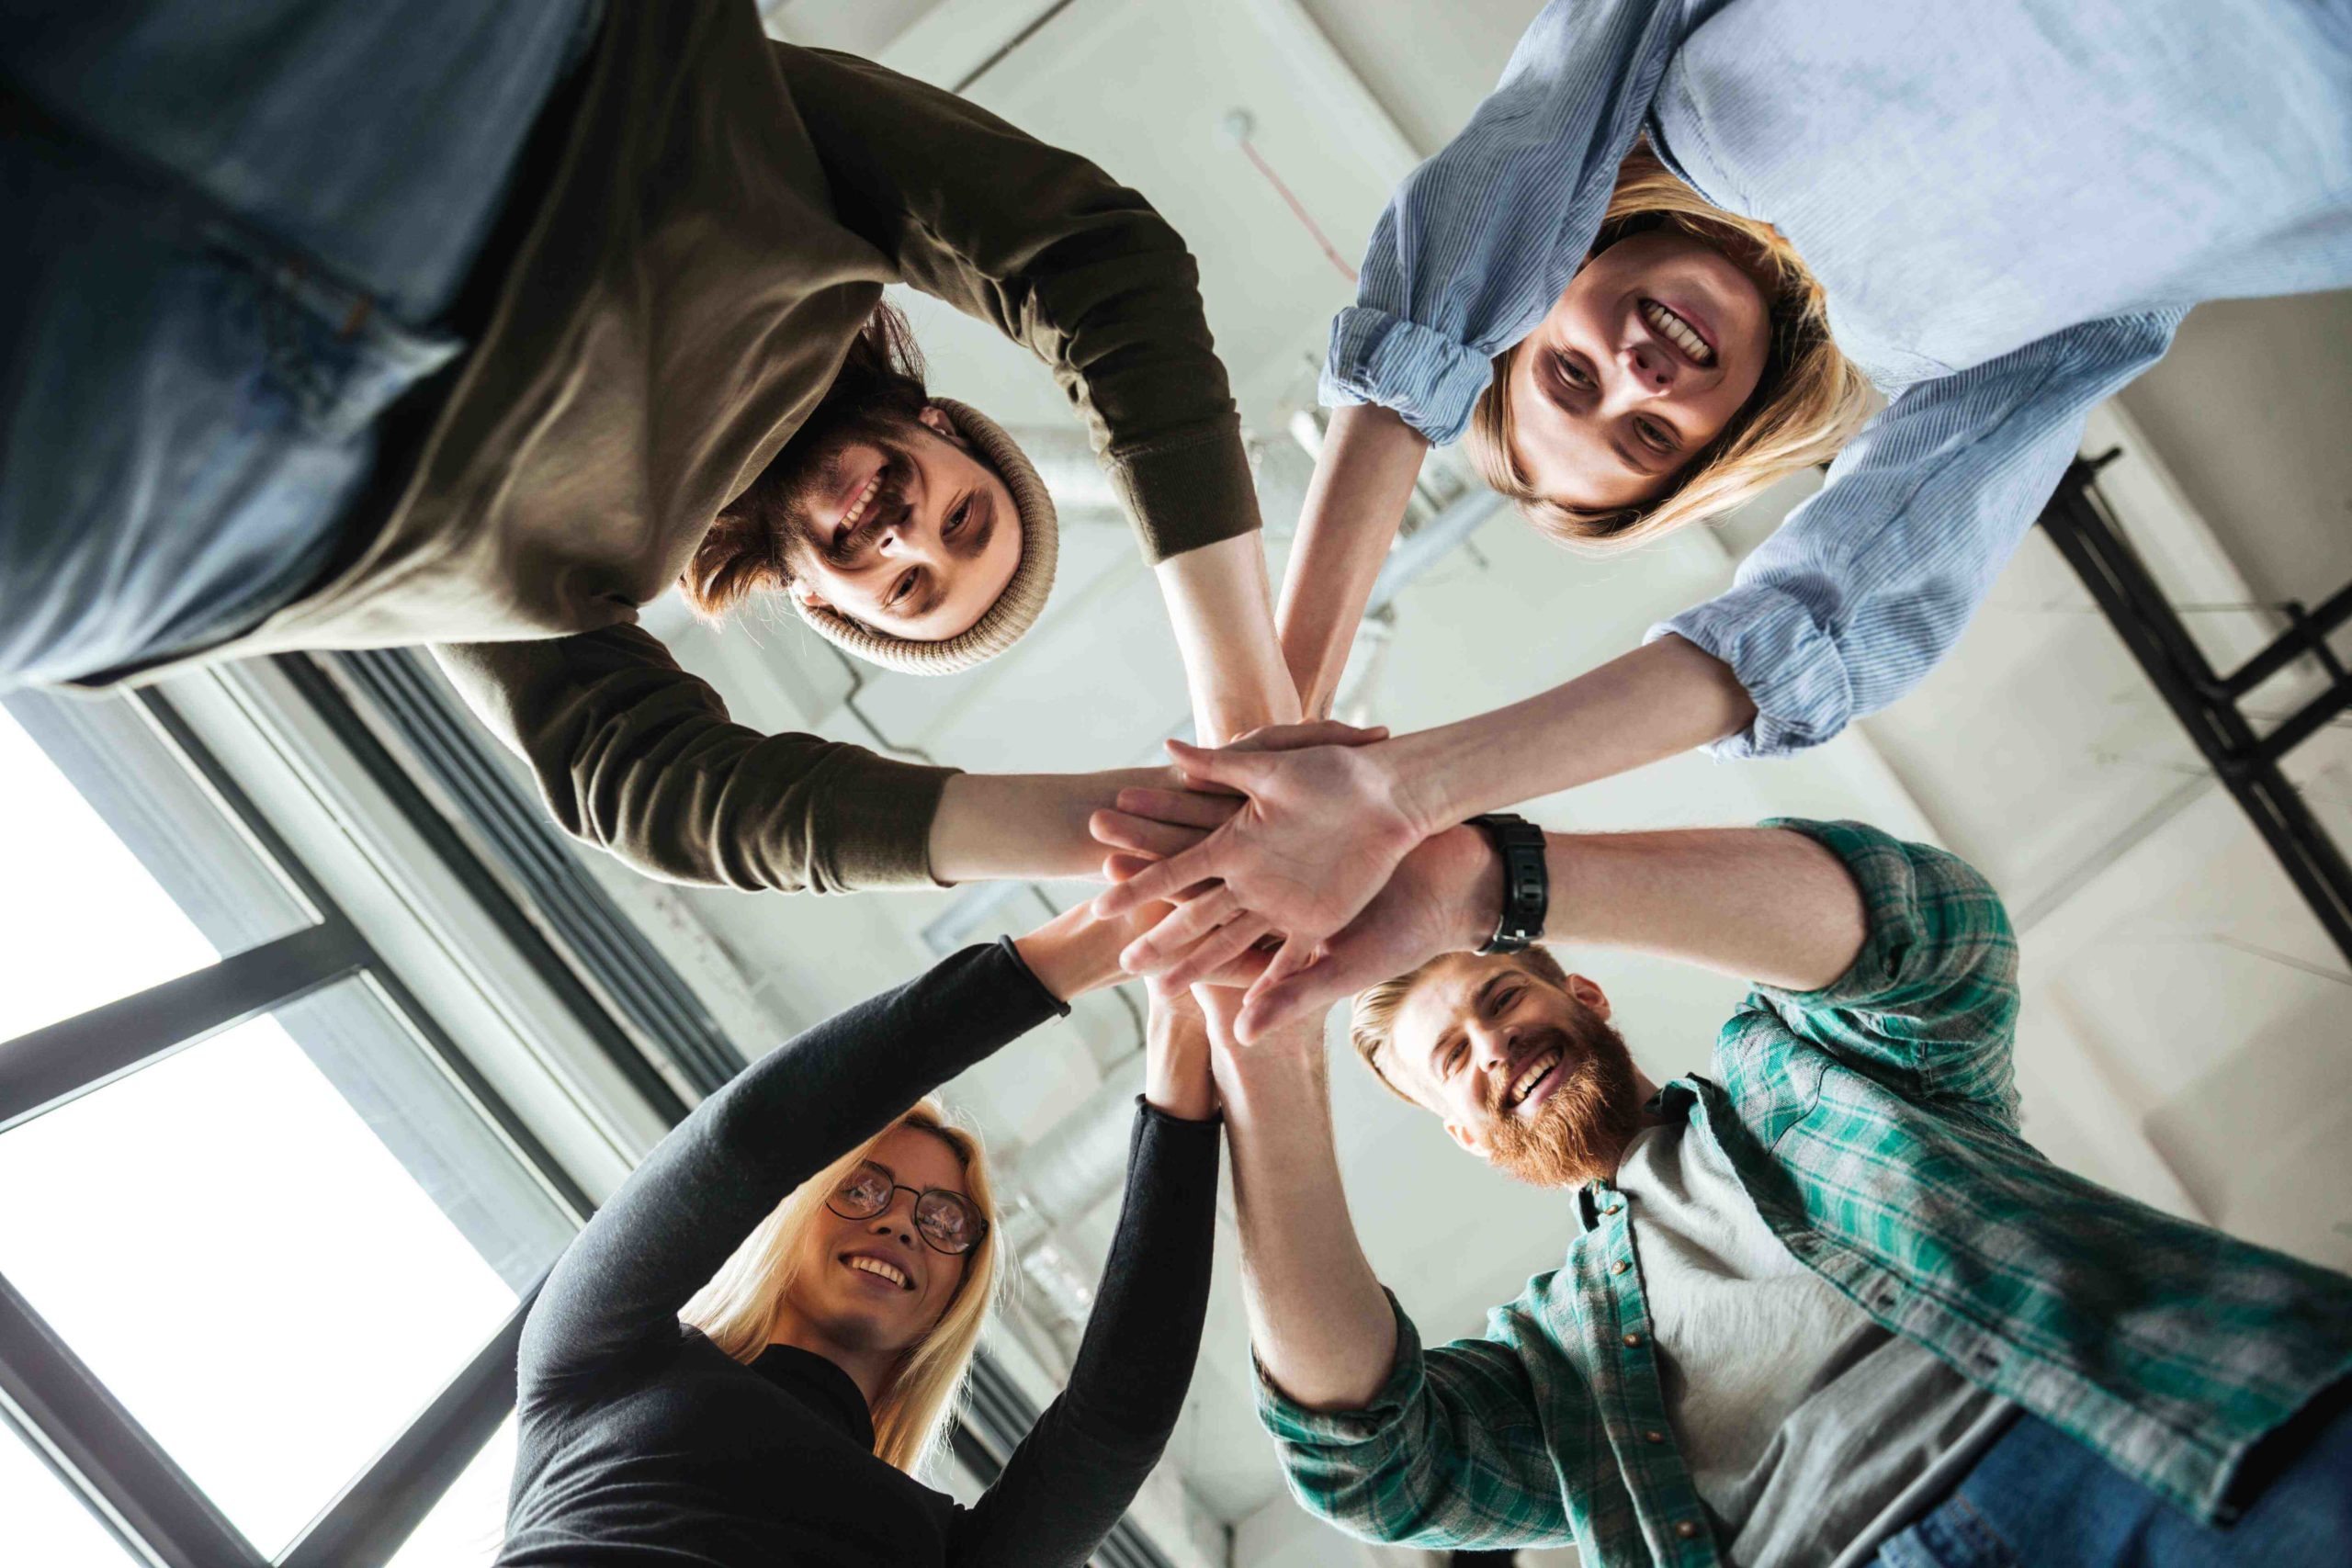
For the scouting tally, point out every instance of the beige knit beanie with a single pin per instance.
(1015, 610)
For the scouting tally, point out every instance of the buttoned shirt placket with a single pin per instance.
(1617, 1342)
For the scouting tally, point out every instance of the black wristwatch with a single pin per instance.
(1527, 882)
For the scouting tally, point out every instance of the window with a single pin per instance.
(269, 1232)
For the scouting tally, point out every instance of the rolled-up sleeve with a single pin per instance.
(1932, 995)
(1870, 584)
(1448, 1453)
(1478, 240)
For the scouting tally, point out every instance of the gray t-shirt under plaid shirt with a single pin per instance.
(1810, 1431)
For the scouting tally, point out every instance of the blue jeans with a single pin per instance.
(2039, 1499)
(241, 223)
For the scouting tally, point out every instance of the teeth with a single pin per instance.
(1532, 1077)
(875, 1266)
(857, 507)
(1666, 325)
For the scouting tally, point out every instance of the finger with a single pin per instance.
(1161, 880)
(1183, 806)
(1240, 973)
(1344, 968)
(1317, 732)
(1235, 770)
(1219, 948)
(1172, 938)
(1124, 831)
(1119, 868)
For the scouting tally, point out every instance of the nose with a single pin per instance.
(1491, 1048)
(1649, 368)
(898, 1220)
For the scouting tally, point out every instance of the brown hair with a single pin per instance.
(1808, 402)
(1372, 1021)
(880, 381)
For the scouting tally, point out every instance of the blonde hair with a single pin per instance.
(1372, 1020)
(1807, 404)
(737, 1311)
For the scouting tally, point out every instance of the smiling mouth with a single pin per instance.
(864, 1263)
(847, 526)
(1532, 1076)
(1679, 331)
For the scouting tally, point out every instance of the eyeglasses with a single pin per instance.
(949, 1221)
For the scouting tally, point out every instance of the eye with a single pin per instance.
(1454, 1058)
(1656, 436)
(900, 590)
(1572, 373)
(956, 520)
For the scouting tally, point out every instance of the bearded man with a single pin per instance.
(480, 325)
(1820, 1304)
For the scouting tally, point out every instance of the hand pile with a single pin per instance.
(1295, 855)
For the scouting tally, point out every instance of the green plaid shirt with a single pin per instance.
(1874, 1127)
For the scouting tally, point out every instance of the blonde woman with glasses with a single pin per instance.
(744, 1359)
(1655, 272)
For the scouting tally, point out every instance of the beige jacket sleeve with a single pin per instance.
(1058, 256)
(636, 756)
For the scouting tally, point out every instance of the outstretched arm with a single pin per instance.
(1321, 828)
(1440, 1447)
(1319, 1319)
(1766, 904)
(1078, 1469)
(618, 1287)
(1362, 479)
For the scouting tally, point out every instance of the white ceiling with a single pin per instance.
(2189, 1031)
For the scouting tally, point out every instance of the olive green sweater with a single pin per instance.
(720, 225)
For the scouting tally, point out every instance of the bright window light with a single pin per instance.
(238, 1254)
(44, 1522)
(469, 1524)
(84, 922)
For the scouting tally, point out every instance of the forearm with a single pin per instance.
(1764, 904)
(1318, 1320)
(787, 1115)
(1362, 480)
(1661, 699)
(1219, 606)
(1027, 826)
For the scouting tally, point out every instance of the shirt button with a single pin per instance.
(1632, 1341)
(1612, 1208)
(1687, 1528)
(1619, 1266)
(1652, 1437)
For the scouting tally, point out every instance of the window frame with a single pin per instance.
(75, 1423)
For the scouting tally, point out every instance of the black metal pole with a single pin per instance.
(2205, 703)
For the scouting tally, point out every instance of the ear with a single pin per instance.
(1471, 1139)
(806, 596)
(935, 419)
(1588, 994)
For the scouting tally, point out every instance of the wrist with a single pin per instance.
(1073, 952)
(1475, 878)
(1412, 780)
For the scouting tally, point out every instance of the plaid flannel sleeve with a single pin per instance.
(1448, 1453)
(1933, 994)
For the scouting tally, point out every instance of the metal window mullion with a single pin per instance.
(50, 1066)
(107, 1448)
(367, 1525)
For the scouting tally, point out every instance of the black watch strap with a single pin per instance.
(1527, 882)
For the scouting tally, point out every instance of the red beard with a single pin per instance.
(1581, 1129)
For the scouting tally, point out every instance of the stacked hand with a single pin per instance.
(1298, 835)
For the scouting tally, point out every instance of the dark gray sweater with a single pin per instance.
(641, 1443)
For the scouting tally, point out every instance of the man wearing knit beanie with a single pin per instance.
(506, 320)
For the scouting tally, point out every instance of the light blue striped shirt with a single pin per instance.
(2009, 204)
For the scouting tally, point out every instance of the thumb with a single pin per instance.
(1235, 770)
